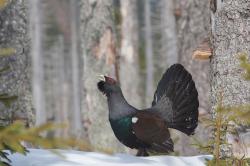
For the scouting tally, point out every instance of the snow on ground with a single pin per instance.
(40, 157)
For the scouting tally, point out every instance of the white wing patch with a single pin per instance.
(134, 119)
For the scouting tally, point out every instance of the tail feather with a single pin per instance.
(180, 109)
(186, 102)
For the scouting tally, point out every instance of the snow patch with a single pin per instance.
(40, 157)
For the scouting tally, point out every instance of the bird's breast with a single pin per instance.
(123, 131)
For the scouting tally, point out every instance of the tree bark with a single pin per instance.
(99, 56)
(149, 54)
(16, 80)
(230, 36)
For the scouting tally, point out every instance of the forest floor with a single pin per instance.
(40, 157)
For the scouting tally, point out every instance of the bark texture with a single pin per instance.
(230, 36)
(98, 38)
(15, 81)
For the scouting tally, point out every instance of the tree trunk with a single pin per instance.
(169, 40)
(38, 75)
(129, 68)
(149, 54)
(230, 36)
(76, 121)
(99, 56)
(15, 80)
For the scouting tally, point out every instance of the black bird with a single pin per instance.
(175, 105)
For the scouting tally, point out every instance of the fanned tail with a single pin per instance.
(176, 99)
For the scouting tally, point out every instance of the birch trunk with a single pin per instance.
(99, 56)
(230, 36)
(15, 81)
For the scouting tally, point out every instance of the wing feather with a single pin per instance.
(152, 129)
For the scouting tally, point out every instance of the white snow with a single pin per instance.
(40, 157)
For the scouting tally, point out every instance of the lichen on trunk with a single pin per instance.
(16, 80)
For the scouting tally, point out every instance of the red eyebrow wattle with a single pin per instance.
(110, 80)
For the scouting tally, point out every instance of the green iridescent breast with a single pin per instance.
(123, 131)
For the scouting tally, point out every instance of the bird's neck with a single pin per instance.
(118, 106)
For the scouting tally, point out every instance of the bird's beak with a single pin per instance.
(101, 78)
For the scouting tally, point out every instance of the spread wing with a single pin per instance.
(151, 129)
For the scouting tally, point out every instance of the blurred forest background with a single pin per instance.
(55, 49)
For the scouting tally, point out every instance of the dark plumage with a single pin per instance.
(175, 105)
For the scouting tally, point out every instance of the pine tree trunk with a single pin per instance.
(37, 79)
(99, 56)
(129, 68)
(149, 54)
(76, 120)
(15, 80)
(169, 40)
(230, 36)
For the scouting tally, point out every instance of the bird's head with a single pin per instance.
(108, 85)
